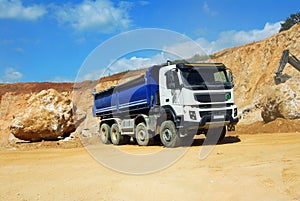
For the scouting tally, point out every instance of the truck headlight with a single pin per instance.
(193, 115)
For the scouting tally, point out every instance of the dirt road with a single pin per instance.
(245, 167)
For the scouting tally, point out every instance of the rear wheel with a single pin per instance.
(104, 133)
(168, 134)
(142, 135)
(115, 135)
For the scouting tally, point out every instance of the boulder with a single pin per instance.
(282, 101)
(48, 116)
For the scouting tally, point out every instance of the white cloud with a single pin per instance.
(135, 63)
(100, 15)
(14, 9)
(226, 39)
(185, 50)
(241, 37)
(11, 75)
(125, 64)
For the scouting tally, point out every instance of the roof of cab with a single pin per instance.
(189, 65)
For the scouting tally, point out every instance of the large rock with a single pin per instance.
(282, 101)
(48, 116)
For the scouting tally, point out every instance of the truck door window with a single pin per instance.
(172, 80)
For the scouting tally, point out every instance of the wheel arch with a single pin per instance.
(110, 121)
(169, 112)
(141, 119)
(171, 115)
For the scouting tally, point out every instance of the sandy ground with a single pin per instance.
(245, 167)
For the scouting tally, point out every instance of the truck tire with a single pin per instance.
(142, 135)
(115, 135)
(168, 134)
(104, 133)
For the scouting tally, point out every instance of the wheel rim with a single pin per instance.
(142, 135)
(167, 135)
(103, 133)
(114, 134)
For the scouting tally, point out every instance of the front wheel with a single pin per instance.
(168, 134)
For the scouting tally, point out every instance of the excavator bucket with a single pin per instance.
(279, 78)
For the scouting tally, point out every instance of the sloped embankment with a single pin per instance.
(254, 66)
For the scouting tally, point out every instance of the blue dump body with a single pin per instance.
(130, 98)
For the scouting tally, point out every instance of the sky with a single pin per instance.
(54, 40)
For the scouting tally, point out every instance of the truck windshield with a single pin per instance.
(205, 78)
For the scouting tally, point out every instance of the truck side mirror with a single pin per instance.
(230, 76)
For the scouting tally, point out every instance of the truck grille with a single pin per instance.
(208, 98)
(221, 105)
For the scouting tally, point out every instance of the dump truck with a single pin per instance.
(170, 103)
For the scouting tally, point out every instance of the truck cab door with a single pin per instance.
(170, 89)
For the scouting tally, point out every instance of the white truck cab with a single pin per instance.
(200, 95)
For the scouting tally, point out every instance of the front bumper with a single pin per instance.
(207, 122)
(211, 120)
(204, 119)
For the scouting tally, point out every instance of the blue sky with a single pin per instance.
(43, 40)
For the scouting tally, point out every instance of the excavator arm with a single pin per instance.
(286, 57)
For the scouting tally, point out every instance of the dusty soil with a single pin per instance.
(244, 167)
(279, 125)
